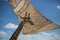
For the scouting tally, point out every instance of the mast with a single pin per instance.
(17, 31)
(26, 19)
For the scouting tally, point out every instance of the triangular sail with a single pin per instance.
(41, 23)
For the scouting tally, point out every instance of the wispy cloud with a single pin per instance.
(40, 36)
(3, 35)
(11, 26)
(37, 36)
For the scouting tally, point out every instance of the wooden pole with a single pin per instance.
(17, 32)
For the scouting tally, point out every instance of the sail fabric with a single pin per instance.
(40, 22)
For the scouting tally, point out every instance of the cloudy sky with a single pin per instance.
(9, 22)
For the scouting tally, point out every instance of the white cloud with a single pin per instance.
(11, 26)
(40, 36)
(3, 35)
(58, 6)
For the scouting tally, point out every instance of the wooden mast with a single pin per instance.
(41, 23)
(26, 19)
(18, 30)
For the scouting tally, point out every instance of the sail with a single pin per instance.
(41, 23)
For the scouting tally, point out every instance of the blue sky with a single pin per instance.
(9, 21)
(49, 8)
